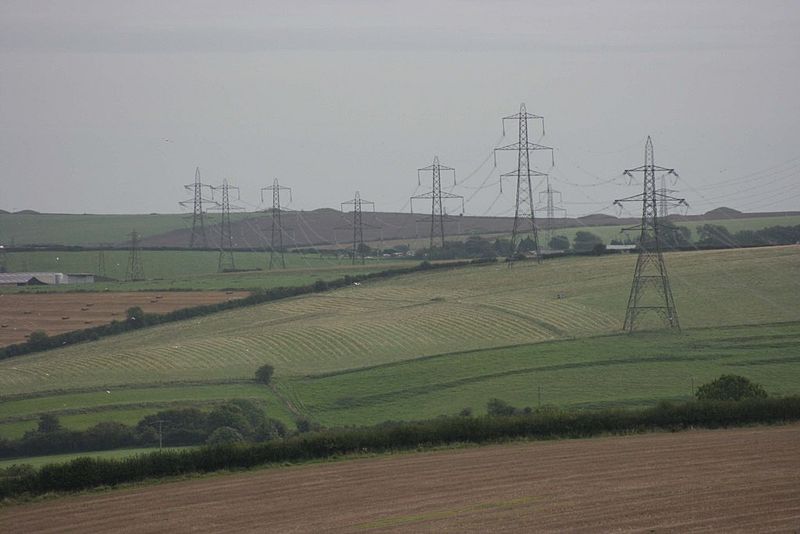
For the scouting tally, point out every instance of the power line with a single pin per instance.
(135, 270)
(198, 223)
(523, 212)
(436, 196)
(277, 225)
(226, 261)
(650, 290)
(358, 225)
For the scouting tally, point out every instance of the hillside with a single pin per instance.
(334, 352)
(320, 227)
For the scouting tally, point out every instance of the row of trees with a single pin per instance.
(672, 237)
(88, 472)
(238, 420)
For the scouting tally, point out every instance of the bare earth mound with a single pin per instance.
(723, 481)
(56, 313)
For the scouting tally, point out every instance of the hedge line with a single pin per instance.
(84, 473)
(258, 296)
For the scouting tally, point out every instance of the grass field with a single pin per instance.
(432, 343)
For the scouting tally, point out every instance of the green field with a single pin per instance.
(432, 343)
(189, 269)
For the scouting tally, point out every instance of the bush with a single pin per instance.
(224, 435)
(264, 373)
(497, 407)
(730, 388)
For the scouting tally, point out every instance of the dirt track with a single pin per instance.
(723, 481)
(56, 313)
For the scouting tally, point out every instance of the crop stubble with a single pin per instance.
(56, 313)
(721, 480)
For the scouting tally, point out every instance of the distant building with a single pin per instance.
(621, 248)
(41, 279)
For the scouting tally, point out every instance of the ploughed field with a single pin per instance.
(742, 480)
(56, 313)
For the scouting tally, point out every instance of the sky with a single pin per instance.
(108, 107)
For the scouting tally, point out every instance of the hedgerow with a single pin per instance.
(86, 473)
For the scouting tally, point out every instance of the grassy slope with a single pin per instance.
(453, 311)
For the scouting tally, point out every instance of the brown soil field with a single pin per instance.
(56, 313)
(742, 480)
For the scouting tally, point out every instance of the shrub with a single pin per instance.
(497, 407)
(224, 435)
(264, 373)
(730, 388)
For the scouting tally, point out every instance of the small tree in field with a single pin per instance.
(730, 387)
(264, 373)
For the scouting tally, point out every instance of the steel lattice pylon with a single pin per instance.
(650, 290)
(276, 241)
(524, 215)
(198, 216)
(225, 261)
(436, 196)
(135, 270)
(358, 225)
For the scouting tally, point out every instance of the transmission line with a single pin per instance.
(436, 195)
(523, 212)
(358, 225)
(225, 261)
(198, 216)
(650, 290)
(135, 270)
(276, 241)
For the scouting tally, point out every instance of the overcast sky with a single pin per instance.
(108, 107)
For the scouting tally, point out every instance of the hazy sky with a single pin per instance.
(109, 106)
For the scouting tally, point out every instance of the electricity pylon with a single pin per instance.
(650, 290)
(523, 212)
(101, 263)
(225, 261)
(550, 210)
(436, 196)
(358, 225)
(198, 216)
(135, 270)
(277, 226)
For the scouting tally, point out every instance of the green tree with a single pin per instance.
(38, 339)
(499, 407)
(558, 242)
(586, 241)
(730, 387)
(264, 373)
(225, 435)
(48, 423)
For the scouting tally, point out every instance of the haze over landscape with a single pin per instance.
(109, 106)
(177, 355)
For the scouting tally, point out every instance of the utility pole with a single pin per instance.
(135, 270)
(550, 208)
(358, 225)
(436, 196)
(199, 237)
(650, 290)
(277, 226)
(225, 262)
(524, 216)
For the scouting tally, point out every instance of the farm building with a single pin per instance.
(34, 279)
